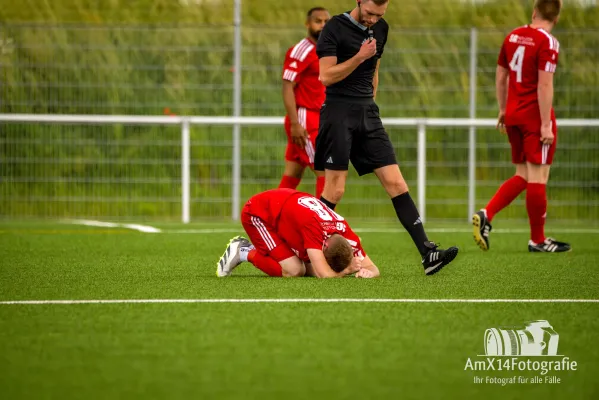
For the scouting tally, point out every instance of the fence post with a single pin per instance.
(236, 179)
(472, 129)
(185, 167)
(422, 170)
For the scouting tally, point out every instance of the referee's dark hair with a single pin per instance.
(313, 10)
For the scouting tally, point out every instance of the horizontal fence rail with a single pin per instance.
(176, 170)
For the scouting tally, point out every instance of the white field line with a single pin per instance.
(140, 228)
(393, 230)
(150, 301)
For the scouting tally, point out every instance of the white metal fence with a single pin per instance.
(193, 167)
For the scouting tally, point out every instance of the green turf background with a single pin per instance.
(328, 351)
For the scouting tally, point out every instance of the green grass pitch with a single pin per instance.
(361, 350)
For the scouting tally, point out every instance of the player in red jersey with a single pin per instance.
(294, 234)
(528, 60)
(303, 95)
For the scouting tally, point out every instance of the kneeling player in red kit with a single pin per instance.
(293, 234)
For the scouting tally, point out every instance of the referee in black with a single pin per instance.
(350, 49)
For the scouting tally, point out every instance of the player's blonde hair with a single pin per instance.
(338, 252)
(548, 9)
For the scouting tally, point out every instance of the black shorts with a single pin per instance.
(352, 131)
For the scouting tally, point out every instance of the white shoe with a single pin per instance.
(231, 258)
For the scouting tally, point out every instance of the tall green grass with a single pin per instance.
(150, 57)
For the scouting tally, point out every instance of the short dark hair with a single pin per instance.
(380, 2)
(549, 9)
(313, 10)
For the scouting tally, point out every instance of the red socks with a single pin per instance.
(289, 182)
(506, 194)
(265, 264)
(292, 183)
(319, 186)
(536, 205)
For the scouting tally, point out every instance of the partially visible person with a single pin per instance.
(524, 85)
(350, 49)
(303, 95)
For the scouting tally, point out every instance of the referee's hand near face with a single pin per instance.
(367, 50)
(350, 49)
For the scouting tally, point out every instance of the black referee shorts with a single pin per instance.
(351, 130)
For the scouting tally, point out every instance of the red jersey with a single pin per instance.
(526, 51)
(301, 220)
(301, 66)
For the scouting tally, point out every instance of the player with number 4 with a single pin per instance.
(524, 85)
(293, 234)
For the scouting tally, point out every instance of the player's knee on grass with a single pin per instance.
(537, 173)
(293, 267)
(338, 252)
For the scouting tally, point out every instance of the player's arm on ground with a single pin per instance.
(375, 79)
(322, 269)
(368, 265)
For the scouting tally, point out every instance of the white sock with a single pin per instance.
(244, 251)
(484, 210)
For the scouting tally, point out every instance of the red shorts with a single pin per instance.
(263, 237)
(526, 144)
(304, 156)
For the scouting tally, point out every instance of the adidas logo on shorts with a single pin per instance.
(330, 160)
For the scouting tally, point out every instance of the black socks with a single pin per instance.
(408, 215)
(328, 203)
